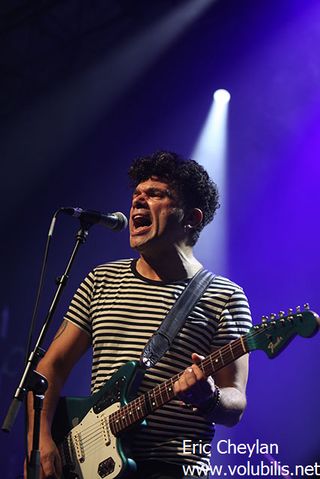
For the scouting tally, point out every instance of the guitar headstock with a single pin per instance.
(275, 333)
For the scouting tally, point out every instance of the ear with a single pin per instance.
(193, 218)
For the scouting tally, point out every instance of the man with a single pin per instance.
(119, 305)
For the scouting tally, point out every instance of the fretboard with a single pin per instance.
(139, 408)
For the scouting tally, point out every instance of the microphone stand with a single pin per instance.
(32, 380)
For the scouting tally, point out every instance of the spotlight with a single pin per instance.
(221, 96)
(211, 151)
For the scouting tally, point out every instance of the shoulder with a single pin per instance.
(107, 271)
(224, 293)
(224, 286)
(112, 268)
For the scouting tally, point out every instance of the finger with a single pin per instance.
(190, 377)
(198, 373)
(187, 380)
(180, 385)
(47, 463)
(196, 358)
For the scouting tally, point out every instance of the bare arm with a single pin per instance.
(232, 381)
(67, 347)
(195, 389)
(222, 398)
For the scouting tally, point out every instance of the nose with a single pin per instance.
(139, 200)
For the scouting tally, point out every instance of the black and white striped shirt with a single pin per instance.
(121, 310)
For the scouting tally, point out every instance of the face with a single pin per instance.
(155, 218)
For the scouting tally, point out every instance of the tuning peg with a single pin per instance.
(290, 311)
(298, 309)
(282, 318)
(306, 306)
(264, 319)
(273, 316)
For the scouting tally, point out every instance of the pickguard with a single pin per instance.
(94, 446)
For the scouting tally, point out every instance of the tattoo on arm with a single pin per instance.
(61, 329)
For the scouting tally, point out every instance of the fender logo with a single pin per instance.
(272, 346)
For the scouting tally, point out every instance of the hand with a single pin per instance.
(193, 387)
(50, 460)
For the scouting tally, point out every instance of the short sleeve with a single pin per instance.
(235, 319)
(79, 311)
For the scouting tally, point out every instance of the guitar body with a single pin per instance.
(82, 431)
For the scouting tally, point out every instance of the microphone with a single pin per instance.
(116, 221)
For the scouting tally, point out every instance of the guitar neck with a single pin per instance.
(139, 408)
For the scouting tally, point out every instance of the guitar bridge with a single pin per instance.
(106, 467)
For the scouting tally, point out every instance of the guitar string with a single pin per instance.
(93, 437)
(88, 435)
(162, 389)
(226, 354)
(121, 414)
(224, 351)
(89, 442)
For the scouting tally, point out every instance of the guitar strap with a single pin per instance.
(162, 339)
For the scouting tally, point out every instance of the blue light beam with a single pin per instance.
(211, 151)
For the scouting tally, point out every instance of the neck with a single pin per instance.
(176, 264)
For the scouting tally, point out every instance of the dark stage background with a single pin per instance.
(87, 86)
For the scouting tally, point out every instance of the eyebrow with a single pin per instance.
(155, 189)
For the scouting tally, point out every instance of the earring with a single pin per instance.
(187, 228)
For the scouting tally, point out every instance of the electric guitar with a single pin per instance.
(88, 430)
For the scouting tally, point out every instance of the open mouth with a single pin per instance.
(141, 222)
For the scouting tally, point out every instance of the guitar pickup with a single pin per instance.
(105, 429)
(78, 447)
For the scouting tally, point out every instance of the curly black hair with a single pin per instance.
(188, 178)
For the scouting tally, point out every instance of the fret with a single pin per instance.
(161, 394)
(114, 423)
(243, 345)
(231, 350)
(202, 367)
(127, 415)
(238, 348)
(169, 389)
(152, 398)
(149, 401)
(134, 411)
(213, 360)
(159, 391)
(131, 413)
(221, 357)
(166, 392)
(140, 407)
(124, 417)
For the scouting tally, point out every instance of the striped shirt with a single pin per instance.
(120, 310)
